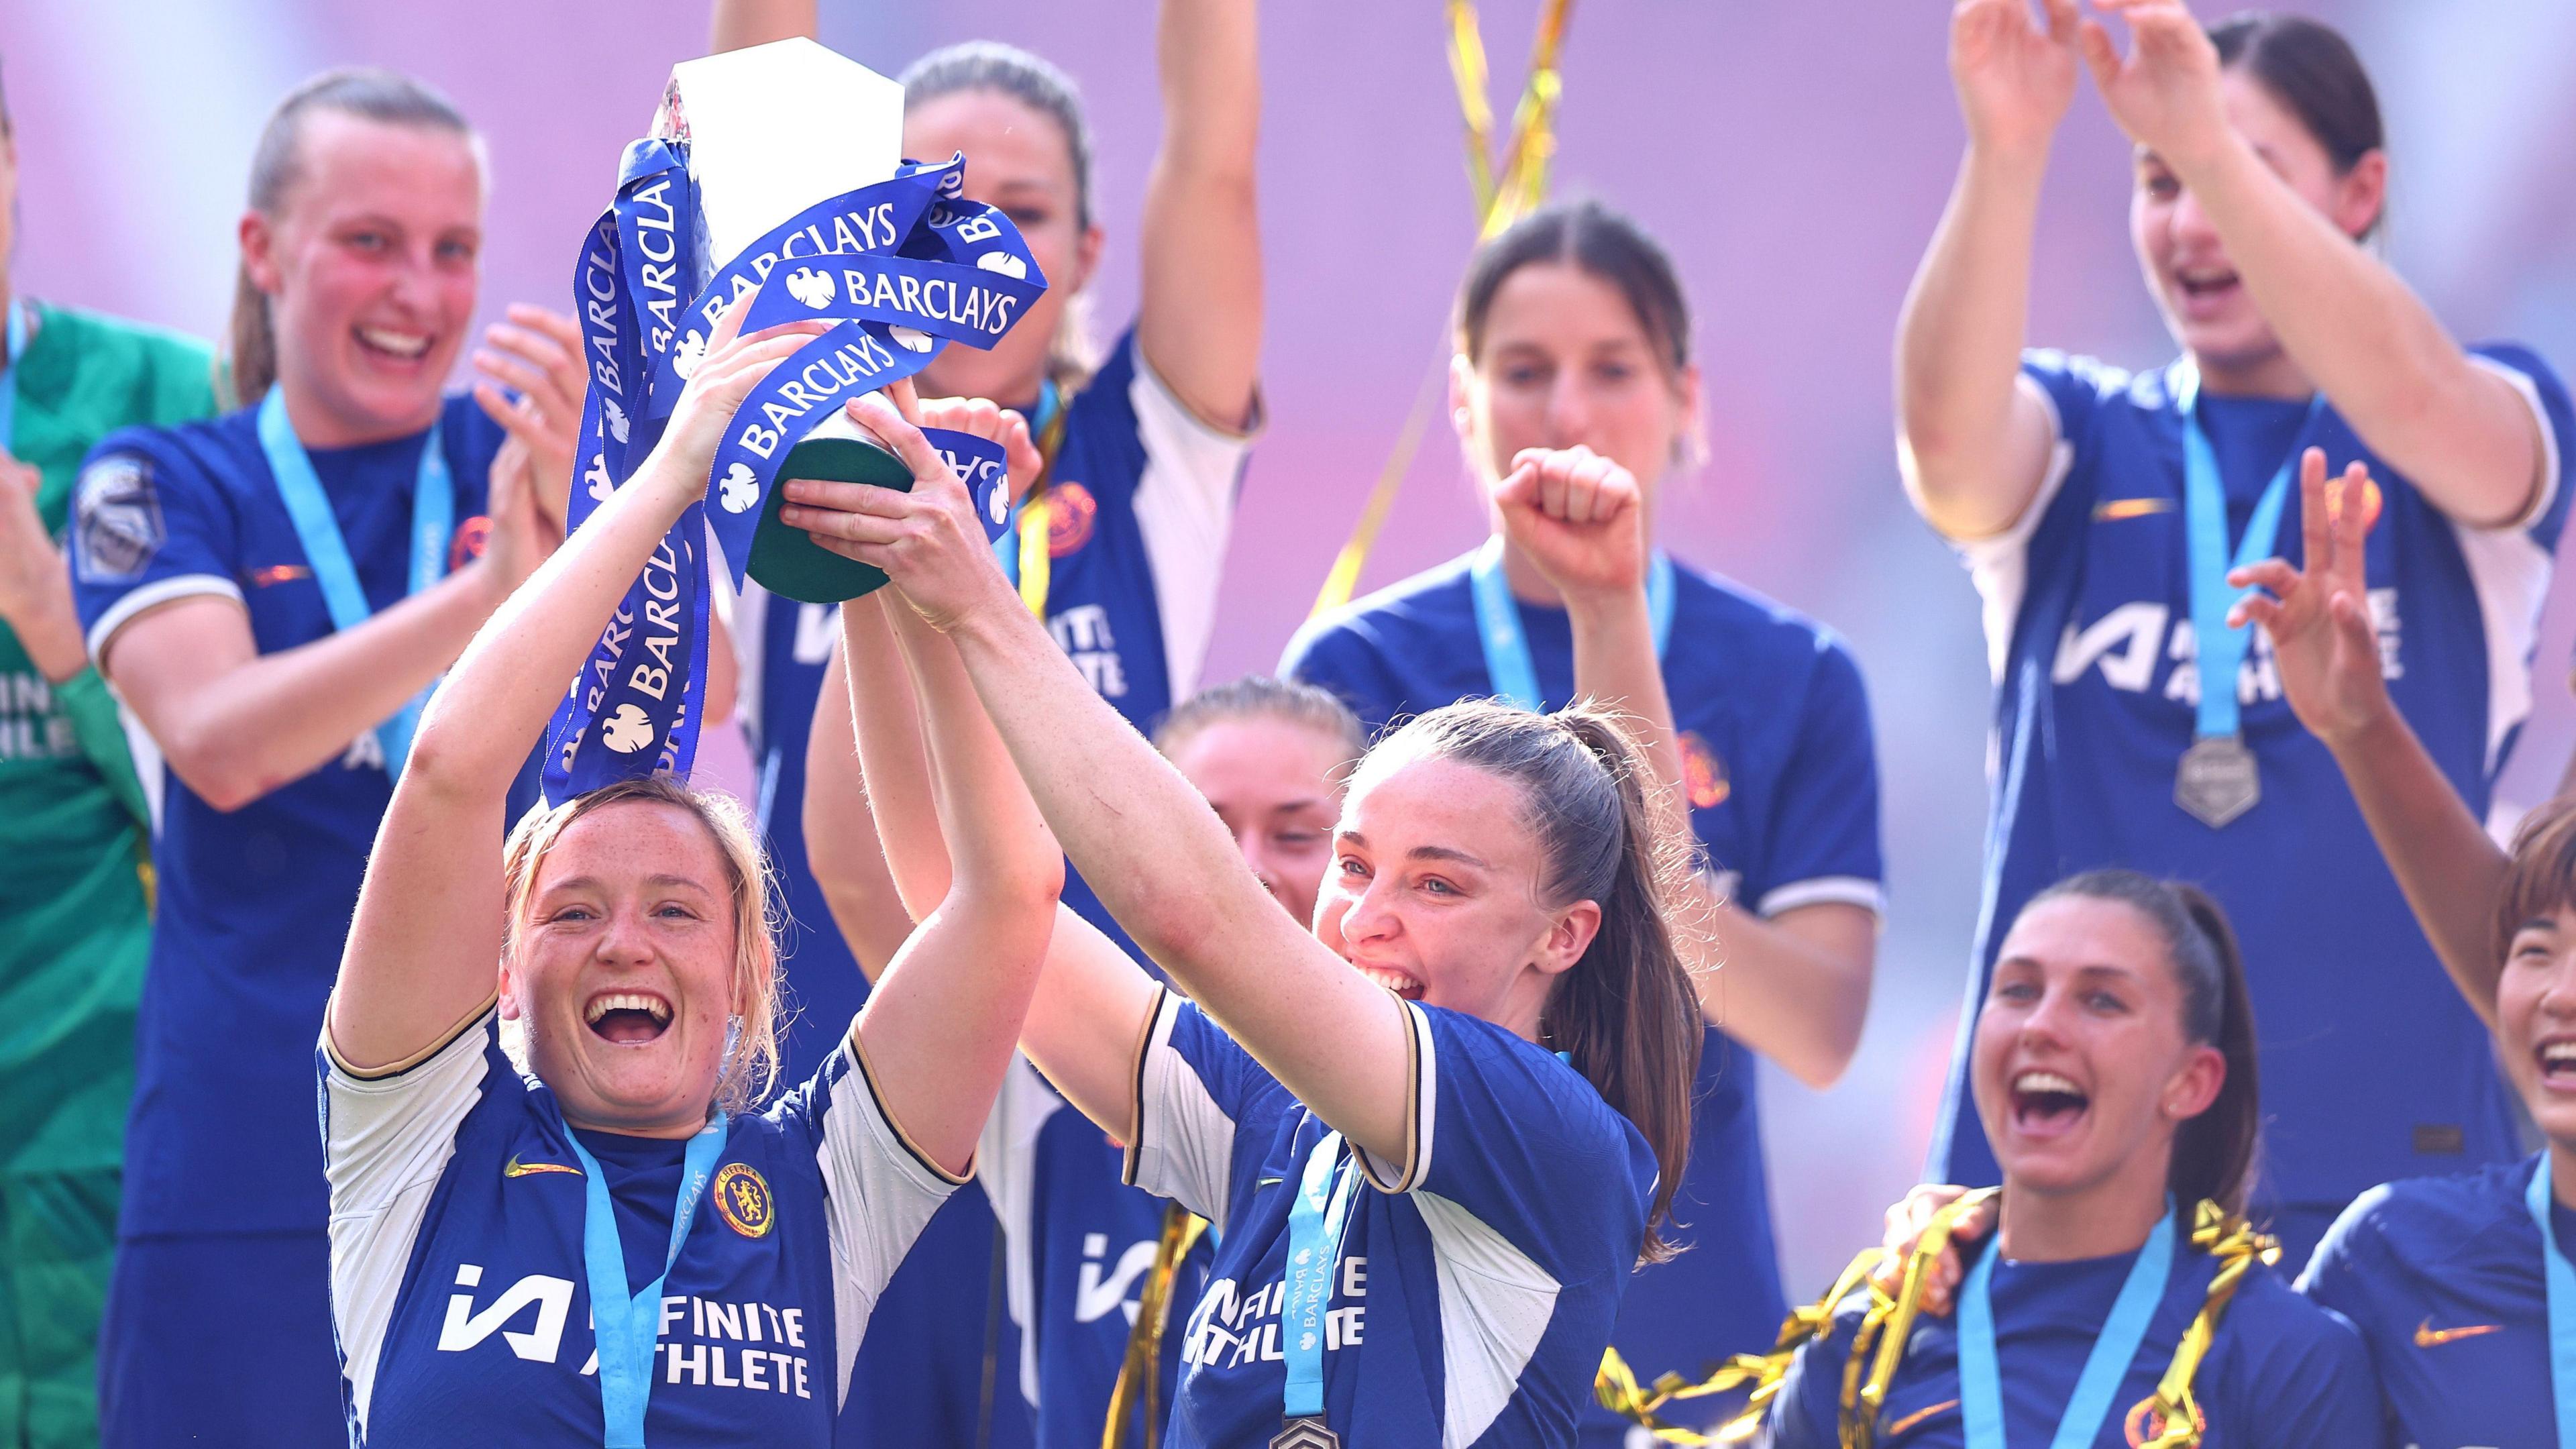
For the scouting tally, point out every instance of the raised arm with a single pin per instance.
(1794, 988)
(1972, 441)
(740, 23)
(1199, 320)
(1142, 837)
(2327, 649)
(840, 828)
(427, 933)
(2463, 434)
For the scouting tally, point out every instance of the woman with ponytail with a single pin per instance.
(1437, 1130)
(272, 593)
(2114, 1293)
(1576, 402)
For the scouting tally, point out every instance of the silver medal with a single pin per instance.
(2217, 780)
(1306, 1434)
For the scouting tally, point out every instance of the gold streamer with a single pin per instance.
(1140, 1373)
(1037, 566)
(1501, 201)
(1888, 1323)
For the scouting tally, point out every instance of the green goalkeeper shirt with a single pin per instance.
(75, 925)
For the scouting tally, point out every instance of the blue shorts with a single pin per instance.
(220, 1339)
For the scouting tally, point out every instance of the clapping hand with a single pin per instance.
(537, 354)
(2164, 92)
(1579, 517)
(2323, 640)
(2014, 78)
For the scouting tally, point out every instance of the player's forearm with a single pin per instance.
(1089, 1013)
(494, 706)
(739, 23)
(1615, 664)
(49, 630)
(999, 848)
(1200, 319)
(2447, 867)
(1794, 1001)
(892, 761)
(1958, 347)
(941, 1023)
(276, 718)
(2370, 344)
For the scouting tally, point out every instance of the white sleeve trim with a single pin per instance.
(1845, 890)
(1185, 514)
(879, 1191)
(152, 596)
(1999, 564)
(1184, 1143)
(2521, 383)
(1421, 1110)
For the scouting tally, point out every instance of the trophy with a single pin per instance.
(771, 130)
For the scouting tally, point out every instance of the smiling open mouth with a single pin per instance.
(2558, 1064)
(2206, 286)
(393, 343)
(1393, 980)
(628, 1017)
(2045, 1102)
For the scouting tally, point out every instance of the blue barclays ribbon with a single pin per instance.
(16, 333)
(2219, 651)
(626, 1325)
(634, 260)
(984, 468)
(1316, 1219)
(1498, 623)
(886, 263)
(2560, 1281)
(1981, 1389)
(433, 522)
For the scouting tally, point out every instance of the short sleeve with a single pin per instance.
(147, 528)
(2545, 394)
(2320, 1390)
(1335, 657)
(2345, 1256)
(1185, 513)
(387, 1137)
(1825, 821)
(1499, 1127)
(1197, 1091)
(882, 1187)
(2074, 390)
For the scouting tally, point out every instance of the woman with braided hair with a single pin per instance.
(2120, 1298)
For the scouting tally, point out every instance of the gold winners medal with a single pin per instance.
(2217, 780)
(1306, 1434)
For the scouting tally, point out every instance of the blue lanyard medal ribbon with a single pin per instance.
(625, 1326)
(2218, 779)
(16, 334)
(1498, 623)
(1316, 1219)
(433, 522)
(901, 268)
(2560, 1280)
(2097, 1389)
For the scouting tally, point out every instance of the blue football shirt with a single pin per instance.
(2373, 1067)
(254, 903)
(459, 1291)
(2281, 1373)
(1475, 1283)
(1784, 796)
(2443, 1277)
(1141, 505)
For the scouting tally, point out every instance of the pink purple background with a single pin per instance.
(1793, 156)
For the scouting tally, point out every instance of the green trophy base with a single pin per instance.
(787, 561)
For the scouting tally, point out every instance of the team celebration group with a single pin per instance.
(1074, 1051)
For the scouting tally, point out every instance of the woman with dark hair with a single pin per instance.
(2120, 1297)
(272, 592)
(1119, 548)
(2100, 511)
(1488, 1024)
(1574, 397)
(2460, 1284)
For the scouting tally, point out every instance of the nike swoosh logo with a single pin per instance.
(2427, 1336)
(2115, 509)
(515, 1168)
(1917, 1417)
